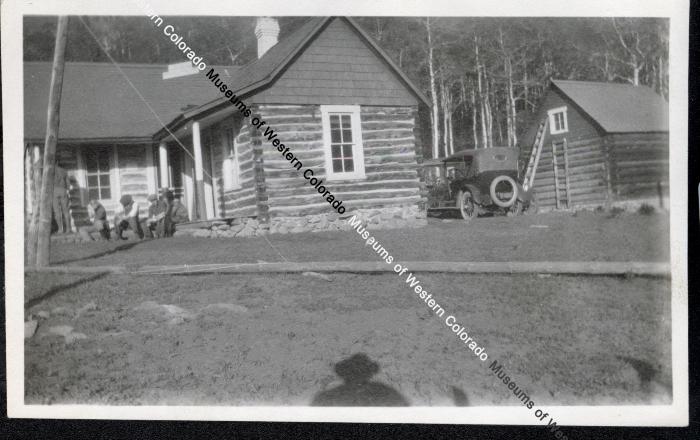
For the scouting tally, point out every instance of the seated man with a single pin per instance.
(98, 218)
(178, 214)
(127, 216)
(157, 212)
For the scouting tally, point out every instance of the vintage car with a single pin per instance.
(486, 180)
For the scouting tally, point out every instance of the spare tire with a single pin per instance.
(494, 196)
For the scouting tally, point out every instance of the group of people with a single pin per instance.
(163, 214)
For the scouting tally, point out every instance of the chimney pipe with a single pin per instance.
(266, 30)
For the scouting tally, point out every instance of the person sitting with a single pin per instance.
(157, 212)
(178, 214)
(98, 218)
(127, 216)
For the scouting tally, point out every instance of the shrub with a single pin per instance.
(646, 209)
(437, 192)
(615, 211)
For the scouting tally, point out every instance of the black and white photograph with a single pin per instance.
(469, 216)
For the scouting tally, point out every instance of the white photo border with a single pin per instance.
(675, 414)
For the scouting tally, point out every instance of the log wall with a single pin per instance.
(239, 202)
(587, 174)
(638, 164)
(603, 168)
(617, 167)
(133, 174)
(389, 153)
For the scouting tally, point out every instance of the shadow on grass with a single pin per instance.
(648, 374)
(60, 288)
(357, 389)
(121, 247)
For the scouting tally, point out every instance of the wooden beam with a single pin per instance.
(36, 200)
(596, 268)
(163, 165)
(200, 198)
(52, 124)
(566, 175)
(150, 170)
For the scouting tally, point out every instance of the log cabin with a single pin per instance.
(328, 90)
(604, 144)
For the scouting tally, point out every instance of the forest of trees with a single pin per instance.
(483, 76)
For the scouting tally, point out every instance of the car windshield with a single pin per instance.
(462, 169)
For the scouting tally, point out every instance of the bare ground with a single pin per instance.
(276, 338)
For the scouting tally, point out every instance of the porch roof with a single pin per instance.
(98, 103)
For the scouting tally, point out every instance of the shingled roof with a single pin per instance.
(99, 103)
(618, 108)
(265, 70)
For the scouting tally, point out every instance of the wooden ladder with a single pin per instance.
(562, 194)
(529, 178)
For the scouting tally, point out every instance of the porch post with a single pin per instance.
(198, 171)
(163, 165)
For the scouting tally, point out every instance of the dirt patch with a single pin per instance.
(275, 339)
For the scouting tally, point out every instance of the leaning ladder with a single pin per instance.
(558, 147)
(529, 179)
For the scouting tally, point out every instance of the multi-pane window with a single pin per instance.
(97, 172)
(343, 142)
(557, 120)
(231, 169)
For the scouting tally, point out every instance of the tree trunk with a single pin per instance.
(480, 89)
(487, 110)
(475, 130)
(511, 111)
(52, 123)
(450, 133)
(526, 88)
(435, 118)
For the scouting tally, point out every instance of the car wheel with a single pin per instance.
(466, 204)
(496, 190)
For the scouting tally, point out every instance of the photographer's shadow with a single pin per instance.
(357, 389)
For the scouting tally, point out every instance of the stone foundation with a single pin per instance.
(239, 227)
(375, 218)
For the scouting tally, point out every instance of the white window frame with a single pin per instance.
(552, 120)
(357, 149)
(230, 166)
(114, 182)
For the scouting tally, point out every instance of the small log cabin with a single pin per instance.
(328, 90)
(605, 143)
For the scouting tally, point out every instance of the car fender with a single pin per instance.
(478, 198)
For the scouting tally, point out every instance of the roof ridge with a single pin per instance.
(104, 64)
(607, 83)
(110, 64)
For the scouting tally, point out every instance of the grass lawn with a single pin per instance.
(274, 339)
(584, 236)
